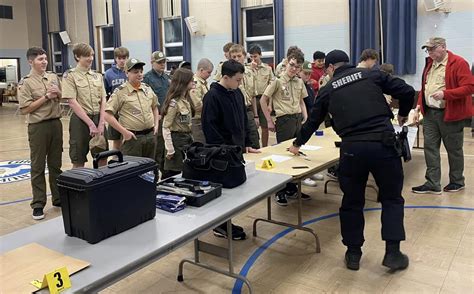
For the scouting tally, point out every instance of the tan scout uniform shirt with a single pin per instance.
(248, 86)
(286, 94)
(263, 76)
(34, 86)
(178, 117)
(435, 81)
(218, 75)
(134, 107)
(281, 67)
(197, 94)
(86, 86)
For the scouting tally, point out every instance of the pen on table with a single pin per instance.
(302, 154)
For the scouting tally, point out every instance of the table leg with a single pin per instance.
(226, 253)
(299, 226)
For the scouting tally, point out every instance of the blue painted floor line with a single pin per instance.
(260, 250)
(19, 200)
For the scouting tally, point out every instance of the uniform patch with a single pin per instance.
(136, 111)
(184, 118)
(346, 80)
(15, 170)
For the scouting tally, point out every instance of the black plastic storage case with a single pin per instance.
(102, 202)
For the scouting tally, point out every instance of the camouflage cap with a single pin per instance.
(157, 56)
(434, 42)
(307, 66)
(133, 62)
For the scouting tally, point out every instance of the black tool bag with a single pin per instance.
(222, 164)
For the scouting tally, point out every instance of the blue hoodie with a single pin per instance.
(113, 78)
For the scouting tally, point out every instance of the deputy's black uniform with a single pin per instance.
(362, 118)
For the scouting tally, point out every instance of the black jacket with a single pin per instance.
(224, 117)
(309, 101)
(371, 86)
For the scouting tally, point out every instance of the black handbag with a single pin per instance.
(222, 164)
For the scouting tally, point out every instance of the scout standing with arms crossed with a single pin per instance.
(39, 98)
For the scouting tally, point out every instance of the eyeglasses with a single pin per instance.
(431, 49)
(294, 65)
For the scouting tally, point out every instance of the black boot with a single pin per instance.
(352, 258)
(394, 258)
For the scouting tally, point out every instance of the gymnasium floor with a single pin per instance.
(440, 237)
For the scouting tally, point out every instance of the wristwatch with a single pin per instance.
(296, 145)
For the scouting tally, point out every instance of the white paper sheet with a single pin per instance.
(310, 147)
(277, 158)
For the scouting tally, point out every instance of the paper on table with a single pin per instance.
(277, 158)
(310, 147)
(31, 262)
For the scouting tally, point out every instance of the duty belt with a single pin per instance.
(384, 137)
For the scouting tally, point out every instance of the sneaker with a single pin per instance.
(424, 189)
(295, 196)
(452, 187)
(236, 228)
(352, 260)
(309, 182)
(395, 260)
(317, 177)
(305, 197)
(38, 213)
(280, 198)
(221, 232)
(332, 173)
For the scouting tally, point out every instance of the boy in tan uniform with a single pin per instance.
(237, 53)
(39, 96)
(263, 76)
(203, 72)
(226, 48)
(287, 93)
(84, 89)
(137, 106)
(281, 67)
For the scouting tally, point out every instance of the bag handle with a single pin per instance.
(202, 158)
(106, 154)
